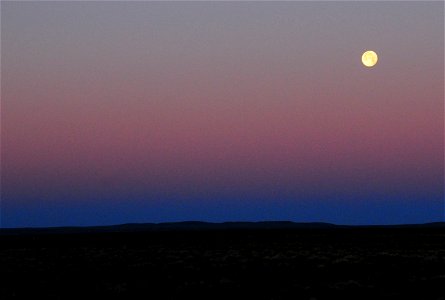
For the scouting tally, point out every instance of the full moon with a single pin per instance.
(369, 58)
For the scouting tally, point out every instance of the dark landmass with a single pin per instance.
(264, 260)
(197, 225)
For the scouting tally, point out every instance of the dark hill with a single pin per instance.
(197, 225)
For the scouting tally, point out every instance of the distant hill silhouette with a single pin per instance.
(197, 225)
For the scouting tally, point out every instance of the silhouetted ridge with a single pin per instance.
(198, 225)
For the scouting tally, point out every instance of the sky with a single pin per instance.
(121, 112)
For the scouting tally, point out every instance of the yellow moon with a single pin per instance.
(369, 58)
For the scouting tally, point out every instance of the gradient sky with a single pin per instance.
(118, 112)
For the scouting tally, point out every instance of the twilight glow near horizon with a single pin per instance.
(119, 112)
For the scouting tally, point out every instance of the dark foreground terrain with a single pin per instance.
(224, 262)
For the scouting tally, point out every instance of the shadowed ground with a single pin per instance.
(266, 263)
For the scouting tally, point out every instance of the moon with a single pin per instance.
(369, 58)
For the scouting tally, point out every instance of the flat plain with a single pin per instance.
(264, 262)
